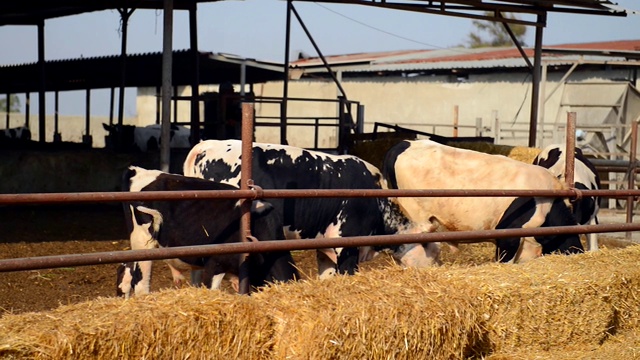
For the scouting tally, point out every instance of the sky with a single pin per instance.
(256, 29)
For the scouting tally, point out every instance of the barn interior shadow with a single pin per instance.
(40, 223)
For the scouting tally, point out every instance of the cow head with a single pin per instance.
(121, 137)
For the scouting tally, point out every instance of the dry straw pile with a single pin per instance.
(557, 307)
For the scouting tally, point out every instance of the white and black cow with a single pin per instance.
(585, 177)
(287, 167)
(425, 164)
(21, 133)
(157, 223)
(147, 138)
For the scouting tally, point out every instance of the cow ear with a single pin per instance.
(155, 214)
(261, 207)
(106, 127)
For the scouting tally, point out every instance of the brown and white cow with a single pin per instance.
(425, 164)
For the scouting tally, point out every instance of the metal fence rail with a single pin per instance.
(268, 245)
(57, 261)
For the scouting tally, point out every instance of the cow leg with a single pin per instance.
(133, 278)
(327, 263)
(128, 276)
(124, 280)
(140, 238)
(196, 277)
(144, 285)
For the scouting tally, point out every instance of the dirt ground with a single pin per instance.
(54, 230)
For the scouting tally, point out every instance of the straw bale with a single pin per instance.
(580, 306)
(385, 314)
(559, 301)
(175, 324)
(521, 153)
(373, 151)
(625, 345)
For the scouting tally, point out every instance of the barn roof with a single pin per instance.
(142, 70)
(478, 59)
(31, 12)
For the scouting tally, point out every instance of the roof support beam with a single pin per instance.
(125, 14)
(167, 64)
(516, 42)
(535, 88)
(285, 87)
(195, 81)
(43, 82)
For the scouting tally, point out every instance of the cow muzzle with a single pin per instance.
(529, 249)
(418, 255)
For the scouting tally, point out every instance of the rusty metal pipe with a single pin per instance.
(631, 173)
(244, 286)
(57, 261)
(98, 197)
(570, 144)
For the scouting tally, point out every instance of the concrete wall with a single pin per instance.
(35, 171)
(57, 170)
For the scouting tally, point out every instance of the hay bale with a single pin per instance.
(173, 324)
(521, 153)
(373, 151)
(550, 306)
(392, 313)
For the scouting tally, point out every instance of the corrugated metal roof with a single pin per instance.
(463, 58)
(142, 70)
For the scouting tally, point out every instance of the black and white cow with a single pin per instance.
(157, 223)
(147, 138)
(585, 177)
(288, 167)
(425, 164)
(21, 133)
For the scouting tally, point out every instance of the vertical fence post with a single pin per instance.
(570, 144)
(631, 177)
(360, 121)
(613, 177)
(7, 109)
(244, 285)
(478, 127)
